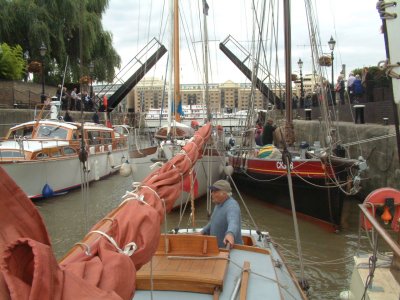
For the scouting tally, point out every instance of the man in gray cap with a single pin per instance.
(225, 222)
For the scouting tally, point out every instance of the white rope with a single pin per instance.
(129, 248)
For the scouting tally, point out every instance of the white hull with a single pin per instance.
(225, 122)
(62, 174)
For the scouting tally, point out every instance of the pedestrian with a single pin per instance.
(357, 89)
(225, 222)
(73, 99)
(258, 134)
(340, 88)
(95, 118)
(350, 90)
(268, 132)
(67, 117)
(368, 84)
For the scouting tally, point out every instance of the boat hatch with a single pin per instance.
(190, 263)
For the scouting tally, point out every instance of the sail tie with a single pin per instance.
(133, 195)
(129, 248)
(183, 152)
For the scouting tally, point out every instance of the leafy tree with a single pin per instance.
(379, 76)
(12, 66)
(64, 27)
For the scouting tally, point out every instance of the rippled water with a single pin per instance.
(327, 256)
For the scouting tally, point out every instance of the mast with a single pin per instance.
(206, 91)
(177, 91)
(170, 68)
(289, 132)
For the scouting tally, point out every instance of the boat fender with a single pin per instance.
(381, 198)
(96, 170)
(110, 160)
(228, 170)
(125, 169)
(47, 191)
(346, 295)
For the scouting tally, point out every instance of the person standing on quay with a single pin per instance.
(225, 222)
(368, 84)
(350, 89)
(268, 133)
(340, 88)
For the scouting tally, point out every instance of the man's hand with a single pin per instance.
(229, 239)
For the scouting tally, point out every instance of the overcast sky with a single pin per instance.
(354, 24)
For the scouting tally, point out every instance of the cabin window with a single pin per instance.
(21, 132)
(41, 155)
(94, 137)
(56, 132)
(107, 139)
(11, 154)
(69, 151)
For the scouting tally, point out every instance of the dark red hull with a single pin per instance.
(314, 197)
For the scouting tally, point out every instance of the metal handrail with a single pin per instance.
(382, 232)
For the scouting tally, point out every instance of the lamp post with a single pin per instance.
(300, 64)
(332, 44)
(42, 50)
(91, 69)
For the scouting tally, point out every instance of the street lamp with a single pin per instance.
(91, 69)
(300, 64)
(43, 50)
(332, 44)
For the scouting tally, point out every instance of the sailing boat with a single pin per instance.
(376, 274)
(124, 255)
(318, 174)
(174, 134)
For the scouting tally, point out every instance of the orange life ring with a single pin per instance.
(377, 199)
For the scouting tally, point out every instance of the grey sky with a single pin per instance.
(354, 24)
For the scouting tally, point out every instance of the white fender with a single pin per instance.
(228, 170)
(96, 170)
(125, 169)
(110, 160)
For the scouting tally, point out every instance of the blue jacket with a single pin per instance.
(225, 219)
(357, 87)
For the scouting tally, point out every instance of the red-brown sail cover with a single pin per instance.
(29, 269)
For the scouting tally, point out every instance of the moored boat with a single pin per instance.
(51, 156)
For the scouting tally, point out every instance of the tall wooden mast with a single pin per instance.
(177, 90)
(289, 131)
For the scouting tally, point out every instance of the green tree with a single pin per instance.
(64, 27)
(379, 76)
(12, 66)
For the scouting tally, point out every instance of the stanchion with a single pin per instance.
(359, 112)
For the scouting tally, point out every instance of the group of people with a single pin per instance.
(264, 135)
(357, 86)
(73, 100)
